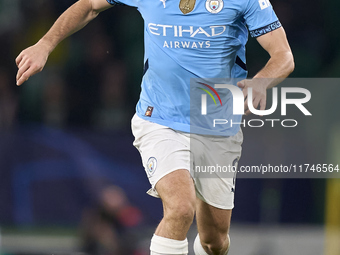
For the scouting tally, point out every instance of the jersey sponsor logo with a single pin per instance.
(214, 6)
(264, 4)
(151, 165)
(186, 44)
(185, 31)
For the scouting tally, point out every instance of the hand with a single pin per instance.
(31, 61)
(259, 93)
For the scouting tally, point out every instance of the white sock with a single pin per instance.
(198, 249)
(166, 246)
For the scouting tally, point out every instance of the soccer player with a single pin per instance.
(185, 39)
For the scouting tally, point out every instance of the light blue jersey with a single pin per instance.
(208, 42)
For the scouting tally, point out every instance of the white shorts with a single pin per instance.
(164, 150)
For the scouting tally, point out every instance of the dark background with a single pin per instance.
(65, 134)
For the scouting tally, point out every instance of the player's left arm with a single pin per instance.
(278, 67)
(281, 62)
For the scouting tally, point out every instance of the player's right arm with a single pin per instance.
(33, 59)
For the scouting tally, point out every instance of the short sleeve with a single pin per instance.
(133, 3)
(260, 17)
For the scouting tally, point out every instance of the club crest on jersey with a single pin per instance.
(214, 6)
(151, 165)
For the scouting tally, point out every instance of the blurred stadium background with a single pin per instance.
(65, 141)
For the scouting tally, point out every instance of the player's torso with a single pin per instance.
(208, 31)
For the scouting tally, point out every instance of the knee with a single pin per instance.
(183, 211)
(217, 245)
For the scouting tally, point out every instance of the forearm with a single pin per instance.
(72, 20)
(278, 67)
(33, 59)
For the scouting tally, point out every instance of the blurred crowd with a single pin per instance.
(106, 226)
(87, 81)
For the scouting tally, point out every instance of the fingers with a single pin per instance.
(258, 95)
(23, 66)
(263, 104)
(241, 84)
(22, 62)
(246, 108)
(18, 59)
(258, 101)
(24, 77)
(30, 61)
(25, 72)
